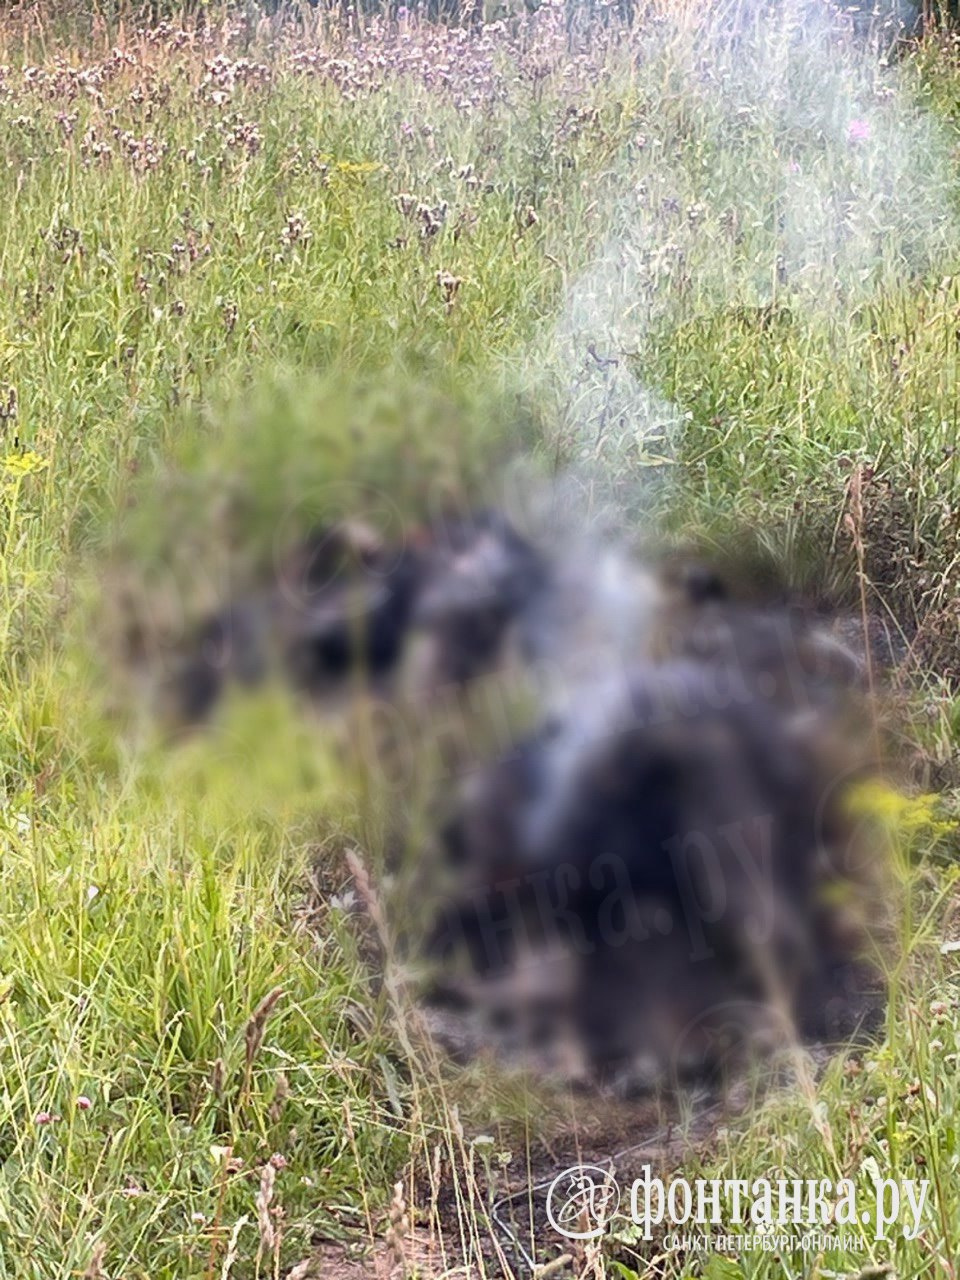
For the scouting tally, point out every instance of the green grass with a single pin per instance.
(215, 315)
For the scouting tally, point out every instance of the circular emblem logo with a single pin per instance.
(581, 1201)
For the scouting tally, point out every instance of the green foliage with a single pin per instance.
(255, 273)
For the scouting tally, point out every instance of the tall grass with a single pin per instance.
(249, 263)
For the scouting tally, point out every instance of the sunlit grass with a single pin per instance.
(253, 274)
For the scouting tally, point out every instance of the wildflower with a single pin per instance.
(431, 219)
(83, 1103)
(858, 131)
(16, 465)
(45, 1117)
(449, 286)
(231, 314)
(296, 230)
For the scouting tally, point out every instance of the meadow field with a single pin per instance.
(257, 270)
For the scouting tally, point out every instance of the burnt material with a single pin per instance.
(669, 853)
(343, 603)
(680, 835)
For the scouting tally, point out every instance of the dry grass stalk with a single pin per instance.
(253, 1037)
(263, 1201)
(233, 1247)
(399, 1228)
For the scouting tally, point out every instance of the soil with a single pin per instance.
(588, 1127)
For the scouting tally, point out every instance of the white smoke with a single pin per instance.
(779, 159)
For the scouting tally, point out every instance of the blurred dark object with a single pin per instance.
(680, 836)
(670, 851)
(343, 603)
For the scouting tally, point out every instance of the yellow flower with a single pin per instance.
(909, 814)
(366, 166)
(16, 465)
